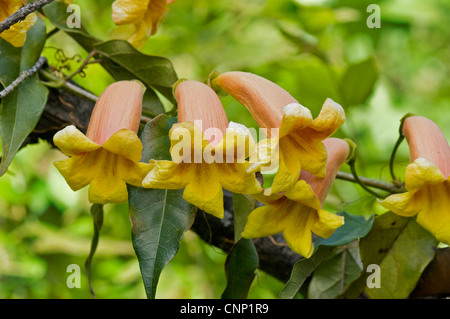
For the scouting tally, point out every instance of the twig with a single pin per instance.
(23, 76)
(85, 63)
(22, 13)
(57, 82)
(393, 189)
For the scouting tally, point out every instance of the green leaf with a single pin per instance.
(358, 82)
(159, 217)
(125, 62)
(57, 13)
(243, 259)
(333, 275)
(402, 249)
(122, 60)
(21, 109)
(354, 227)
(243, 205)
(303, 269)
(240, 267)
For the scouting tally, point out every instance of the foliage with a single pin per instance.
(313, 49)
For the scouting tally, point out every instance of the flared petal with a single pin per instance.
(296, 116)
(298, 230)
(434, 214)
(125, 143)
(236, 145)
(302, 192)
(327, 223)
(234, 177)
(401, 204)
(17, 33)
(79, 171)
(168, 175)
(422, 173)
(266, 221)
(312, 153)
(205, 192)
(129, 11)
(187, 143)
(154, 14)
(72, 142)
(108, 190)
(289, 167)
(265, 156)
(330, 118)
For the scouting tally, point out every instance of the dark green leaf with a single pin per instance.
(121, 60)
(303, 269)
(159, 217)
(355, 227)
(124, 62)
(21, 109)
(243, 206)
(358, 82)
(243, 259)
(240, 268)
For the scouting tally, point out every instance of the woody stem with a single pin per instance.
(22, 13)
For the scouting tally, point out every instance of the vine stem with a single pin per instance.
(23, 76)
(393, 189)
(22, 13)
(60, 83)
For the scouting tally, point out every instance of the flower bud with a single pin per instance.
(263, 98)
(199, 104)
(426, 140)
(118, 107)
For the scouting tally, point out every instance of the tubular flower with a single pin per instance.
(107, 157)
(138, 20)
(208, 153)
(426, 179)
(297, 143)
(17, 33)
(298, 212)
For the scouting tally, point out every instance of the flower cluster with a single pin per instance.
(210, 154)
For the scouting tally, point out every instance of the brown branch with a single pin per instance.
(22, 13)
(64, 108)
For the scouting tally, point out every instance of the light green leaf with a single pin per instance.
(358, 82)
(21, 109)
(158, 217)
(401, 248)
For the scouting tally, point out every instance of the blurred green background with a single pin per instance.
(313, 48)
